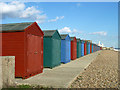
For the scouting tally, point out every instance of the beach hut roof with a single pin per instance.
(49, 33)
(78, 39)
(14, 27)
(89, 41)
(82, 41)
(72, 38)
(63, 36)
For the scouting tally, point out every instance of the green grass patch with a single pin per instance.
(24, 86)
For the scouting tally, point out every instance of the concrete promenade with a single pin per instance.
(61, 76)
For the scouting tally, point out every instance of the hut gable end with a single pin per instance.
(65, 37)
(49, 33)
(56, 35)
(34, 29)
(73, 39)
(78, 39)
(68, 38)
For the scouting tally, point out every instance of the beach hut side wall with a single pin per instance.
(56, 52)
(47, 52)
(13, 45)
(56, 48)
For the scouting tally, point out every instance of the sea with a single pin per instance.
(117, 49)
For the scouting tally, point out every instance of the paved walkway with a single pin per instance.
(61, 76)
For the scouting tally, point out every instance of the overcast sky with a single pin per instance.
(96, 21)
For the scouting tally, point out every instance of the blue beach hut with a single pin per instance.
(65, 48)
(82, 47)
(92, 48)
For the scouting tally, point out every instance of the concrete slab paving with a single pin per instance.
(61, 76)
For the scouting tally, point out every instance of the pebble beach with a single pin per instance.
(101, 73)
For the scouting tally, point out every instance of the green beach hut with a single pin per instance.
(78, 47)
(52, 48)
(88, 46)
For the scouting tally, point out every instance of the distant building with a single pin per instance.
(100, 44)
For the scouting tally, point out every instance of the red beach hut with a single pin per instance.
(25, 42)
(73, 48)
(90, 47)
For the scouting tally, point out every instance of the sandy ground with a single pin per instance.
(101, 73)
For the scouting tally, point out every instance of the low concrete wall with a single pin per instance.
(8, 71)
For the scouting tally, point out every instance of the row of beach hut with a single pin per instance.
(35, 49)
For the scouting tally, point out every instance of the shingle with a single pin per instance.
(14, 26)
(63, 36)
(49, 33)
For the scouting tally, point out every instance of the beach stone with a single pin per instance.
(101, 73)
